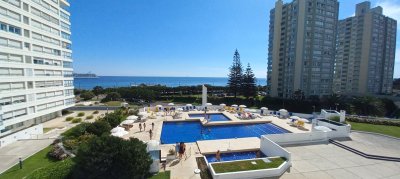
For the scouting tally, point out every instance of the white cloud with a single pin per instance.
(391, 8)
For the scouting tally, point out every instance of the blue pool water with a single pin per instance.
(211, 117)
(235, 156)
(173, 132)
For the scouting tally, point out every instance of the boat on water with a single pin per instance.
(85, 75)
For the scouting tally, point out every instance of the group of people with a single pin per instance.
(180, 149)
(144, 129)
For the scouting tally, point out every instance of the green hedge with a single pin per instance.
(89, 117)
(373, 121)
(60, 170)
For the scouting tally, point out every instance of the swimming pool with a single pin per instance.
(211, 117)
(173, 132)
(235, 156)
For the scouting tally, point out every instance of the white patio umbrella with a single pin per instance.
(142, 113)
(208, 104)
(119, 134)
(304, 120)
(242, 106)
(264, 108)
(133, 117)
(189, 105)
(295, 117)
(223, 105)
(129, 121)
(179, 109)
(234, 105)
(171, 104)
(117, 129)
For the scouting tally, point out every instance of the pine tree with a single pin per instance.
(236, 75)
(249, 88)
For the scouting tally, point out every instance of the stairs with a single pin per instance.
(369, 156)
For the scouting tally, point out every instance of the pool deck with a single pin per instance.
(228, 145)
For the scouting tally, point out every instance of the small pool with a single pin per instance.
(235, 156)
(192, 131)
(211, 117)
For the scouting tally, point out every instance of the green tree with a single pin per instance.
(236, 75)
(87, 95)
(249, 88)
(112, 157)
(97, 90)
(99, 128)
(113, 96)
(114, 119)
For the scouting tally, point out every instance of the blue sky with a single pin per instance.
(179, 37)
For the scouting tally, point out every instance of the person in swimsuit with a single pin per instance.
(140, 127)
(218, 156)
(151, 134)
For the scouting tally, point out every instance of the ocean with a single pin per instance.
(125, 81)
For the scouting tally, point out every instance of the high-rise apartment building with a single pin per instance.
(36, 80)
(365, 52)
(301, 51)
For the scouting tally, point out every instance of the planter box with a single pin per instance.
(250, 174)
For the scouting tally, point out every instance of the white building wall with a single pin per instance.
(34, 81)
(29, 133)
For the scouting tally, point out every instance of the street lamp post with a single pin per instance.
(20, 163)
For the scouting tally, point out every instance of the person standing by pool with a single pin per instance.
(144, 126)
(181, 150)
(258, 154)
(152, 126)
(151, 134)
(218, 156)
(140, 127)
(177, 149)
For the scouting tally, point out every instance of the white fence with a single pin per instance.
(29, 133)
(298, 138)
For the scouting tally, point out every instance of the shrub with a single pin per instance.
(60, 169)
(87, 95)
(65, 112)
(80, 114)
(373, 121)
(76, 131)
(96, 112)
(99, 128)
(89, 117)
(112, 157)
(69, 118)
(113, 96)
(114, 119)
(76, 120)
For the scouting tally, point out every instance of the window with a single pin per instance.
(65, 36)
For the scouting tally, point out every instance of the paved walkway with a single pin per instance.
(224, 145)
(329, 161)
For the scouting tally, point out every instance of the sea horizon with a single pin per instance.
(126, 81)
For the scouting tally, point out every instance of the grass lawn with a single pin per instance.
(47, 129)
(113, 103)
(381, 129)
(247, 165)
(162, 175)
(39, 160)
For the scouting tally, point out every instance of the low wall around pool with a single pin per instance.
(250, 174)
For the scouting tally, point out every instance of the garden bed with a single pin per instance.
(247, 165)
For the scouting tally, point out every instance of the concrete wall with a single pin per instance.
(29, 133)
(339, 131)
(298, 138)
